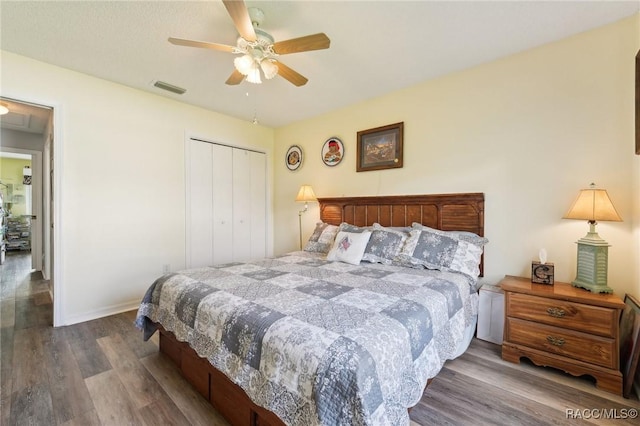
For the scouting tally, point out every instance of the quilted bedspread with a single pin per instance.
(318, 342)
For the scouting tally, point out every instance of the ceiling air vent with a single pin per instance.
(169, 87)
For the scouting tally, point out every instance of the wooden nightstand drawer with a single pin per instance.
(576, 316)
(564, 327)
(573, 344)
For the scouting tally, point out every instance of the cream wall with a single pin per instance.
(529, 131)
(123, 184)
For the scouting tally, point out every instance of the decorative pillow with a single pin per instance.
(384, 245)
(442, 250)
(347, 227)
(322, 238)
(469, 237)
(349, 247)
(406, 229)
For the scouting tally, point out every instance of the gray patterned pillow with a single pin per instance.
(446, 251)
(384, 245)
(469, 237)
(322, 238)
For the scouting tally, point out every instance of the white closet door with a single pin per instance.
(258, 205)
(226, 204)
(199, 205)
(241, 204)
(222, 193)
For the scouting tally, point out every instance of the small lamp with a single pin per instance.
(304, 194)
(592, 205)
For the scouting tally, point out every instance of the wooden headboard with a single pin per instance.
(448, 212)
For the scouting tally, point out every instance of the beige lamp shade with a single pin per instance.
(306, 194)
(593, 205)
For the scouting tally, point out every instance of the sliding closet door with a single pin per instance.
(226, 204)
(258, 205)
(249, 205)
(222, 194)
(241, 205)
(199, 204)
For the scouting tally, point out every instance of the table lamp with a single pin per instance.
(592, 205)
(304, 194)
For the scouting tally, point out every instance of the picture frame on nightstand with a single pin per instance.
(629, 342)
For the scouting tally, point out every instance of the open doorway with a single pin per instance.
(26, 183)
(21, 191)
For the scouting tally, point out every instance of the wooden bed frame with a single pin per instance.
(449, 212)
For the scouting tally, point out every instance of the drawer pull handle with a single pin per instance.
(556, 312)
(555, 341)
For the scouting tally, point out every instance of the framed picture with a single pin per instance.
(293, 159)
(629, 346)
(332, 152)
(380, 148)
(638, 103)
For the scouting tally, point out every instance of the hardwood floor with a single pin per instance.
(95, 373)
(101, 373)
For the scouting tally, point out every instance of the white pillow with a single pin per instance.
(349, 247)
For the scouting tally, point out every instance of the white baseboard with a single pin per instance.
(101, 313)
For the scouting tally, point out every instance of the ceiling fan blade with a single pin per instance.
(240, 16)
(204, 44)
(291, 75)
(235, 78)
(302, 44)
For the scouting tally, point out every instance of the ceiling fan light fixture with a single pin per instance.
(244, 64)
(257, 49)
(254, 76)
(269, 68)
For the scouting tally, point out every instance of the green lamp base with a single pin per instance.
(592, 287)
(592, 264)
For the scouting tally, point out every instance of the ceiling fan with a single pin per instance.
(257, 49)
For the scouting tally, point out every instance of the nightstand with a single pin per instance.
(564, 327)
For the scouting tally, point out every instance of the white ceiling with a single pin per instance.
(376, 46)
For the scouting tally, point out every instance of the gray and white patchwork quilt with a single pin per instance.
(318, 342)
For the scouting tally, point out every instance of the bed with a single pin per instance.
(318, 337)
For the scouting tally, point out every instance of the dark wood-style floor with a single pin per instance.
(101, 373)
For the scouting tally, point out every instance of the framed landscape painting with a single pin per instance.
(380, 148)
(638, 103)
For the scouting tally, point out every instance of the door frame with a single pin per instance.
(55, 251)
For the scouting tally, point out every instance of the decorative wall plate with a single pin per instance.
(293, 159)
(332, 152)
